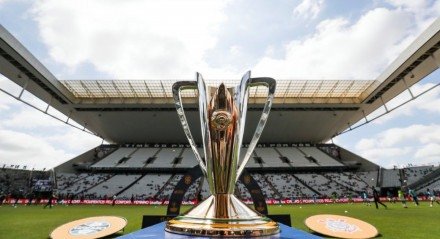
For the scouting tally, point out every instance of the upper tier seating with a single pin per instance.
(296, 157)
(139, 158)
(270, 158)
(188, 158)
(322, 158)
(165, 158)
(114, 158)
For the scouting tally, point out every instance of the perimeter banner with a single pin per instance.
(194, 202)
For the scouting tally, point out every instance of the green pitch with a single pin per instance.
(396, 222)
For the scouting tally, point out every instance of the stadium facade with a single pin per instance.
(148, 151)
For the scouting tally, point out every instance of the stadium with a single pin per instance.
(145, 153)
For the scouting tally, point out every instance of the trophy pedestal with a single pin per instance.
(222, 215)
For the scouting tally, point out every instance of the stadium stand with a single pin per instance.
(188, 159)
(193, 190)
(348, 180)
(240, 190)
(165, 158)
(289, 186)
(111, 186)
(147, 187)
(432, 185)
(413, 174)
(14, 180)
(119, 156)
(321, 158)
(323, 185)
(275, 185)
(390, 178)
(296, 157)
(204, 192)
(166, 191)
(265, 185)
(283, 172)
(139, 158)
(82, 183)
(369, 177)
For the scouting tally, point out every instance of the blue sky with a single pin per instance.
(303, 39)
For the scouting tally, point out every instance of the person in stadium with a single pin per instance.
(350, 198)
(413, 195)
(402, 199)
(30, 199)
(2, 198)
(365, 198)
(390, 197)
(377, 199)
(431, 197)
(334, 197)
(114, 200)
(16, 197)
(71, 197)
(49, 202)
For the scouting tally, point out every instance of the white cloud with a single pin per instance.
(171, 39)
(308, 9)
(73, 140)
(410, 5)
(42, 147)
(28, 137)
(429, 103)
(24, 149)
(29, 118)
(400, 146)
(430, 151)
(341, 49)
(131, 39)
(6, 102)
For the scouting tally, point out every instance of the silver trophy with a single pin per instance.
(222, 116)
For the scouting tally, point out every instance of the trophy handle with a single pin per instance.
(270, 83)
(177, 88)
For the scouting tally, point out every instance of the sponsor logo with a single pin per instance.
(339, 225)
(247, 179)
(89, 228)
(187, 180)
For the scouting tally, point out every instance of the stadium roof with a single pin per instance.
(323, 91)
(142, 111)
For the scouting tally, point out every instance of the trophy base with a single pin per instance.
(222, 215)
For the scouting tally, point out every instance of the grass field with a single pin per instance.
(396, 222)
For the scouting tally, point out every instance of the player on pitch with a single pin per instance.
(377, 199)
(431, 196)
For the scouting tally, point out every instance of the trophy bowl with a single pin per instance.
(222, 116)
